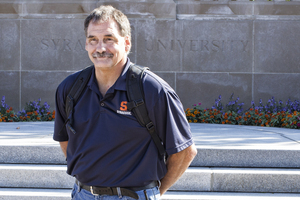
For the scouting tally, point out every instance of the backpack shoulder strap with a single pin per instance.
(136, 104)
(75, 92)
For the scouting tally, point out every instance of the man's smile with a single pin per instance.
(102, 55)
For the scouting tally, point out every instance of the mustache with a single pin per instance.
(102, 55)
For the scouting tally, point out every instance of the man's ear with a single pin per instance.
(127, 44)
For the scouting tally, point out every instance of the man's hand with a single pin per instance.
(63, 146)
(176, 165)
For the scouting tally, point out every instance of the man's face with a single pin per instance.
(105, 46)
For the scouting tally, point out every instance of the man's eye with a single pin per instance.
(93, 41)
(108, 39)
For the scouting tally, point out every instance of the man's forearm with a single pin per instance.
(63, 146)
(176, 165)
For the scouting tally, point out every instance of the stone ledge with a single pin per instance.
(239, 180)
(228, 196)
(32, 154)
(56, 194)
(143, 9)
(200, 17)
(34, 194)
(238, 7)
(194, 179)
(206, 157)
(167, 9)
(218, 145)
(246, 158)
(35, 176)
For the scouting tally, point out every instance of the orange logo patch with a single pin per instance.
(123, 106)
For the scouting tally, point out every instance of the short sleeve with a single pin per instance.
(167, 113)
(60, 133)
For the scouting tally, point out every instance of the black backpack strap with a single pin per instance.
(136, 104)
(75, 92)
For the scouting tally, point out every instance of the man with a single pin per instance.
(110, 148)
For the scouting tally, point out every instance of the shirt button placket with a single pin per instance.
(102, 104)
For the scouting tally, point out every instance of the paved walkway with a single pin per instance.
(245, 137)
(26, 133)
(205, 136)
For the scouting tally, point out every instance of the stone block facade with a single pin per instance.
(202, 48)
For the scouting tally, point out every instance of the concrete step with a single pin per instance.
(64, 194)
(218, 145)
(34, 194)
(246, 146)
(203, 179)
(239, 180)
(260, 158)
(35, 176)
(52, 154)
(228, 196)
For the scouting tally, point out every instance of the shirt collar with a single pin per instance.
(121, 81)
(120, 84)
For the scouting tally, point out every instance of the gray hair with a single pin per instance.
(105, 13)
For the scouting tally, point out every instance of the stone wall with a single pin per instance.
(202, 48)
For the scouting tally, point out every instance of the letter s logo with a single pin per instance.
(123, 106)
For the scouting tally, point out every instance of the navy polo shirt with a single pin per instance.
(110, 148)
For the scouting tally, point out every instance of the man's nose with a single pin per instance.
(101, 47)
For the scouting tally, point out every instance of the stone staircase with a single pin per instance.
(233, 162)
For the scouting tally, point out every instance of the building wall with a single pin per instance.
(202, 48)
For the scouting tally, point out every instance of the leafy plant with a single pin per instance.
(33, 111)
(7, 114)
(272, 114)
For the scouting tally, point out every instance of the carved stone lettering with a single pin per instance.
(215, 45)
(245, 43)
(181, 45)
(160, 43)
(172, 45)
(55, 42)
(45, 44)
(195, 45)
(66, 45)
(79, 46)
(62, 45)
(223, 45)
(204, 44)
